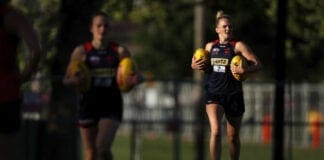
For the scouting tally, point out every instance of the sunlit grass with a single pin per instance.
(161, 148)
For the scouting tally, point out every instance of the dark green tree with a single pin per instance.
(165, 34)
(305, 39)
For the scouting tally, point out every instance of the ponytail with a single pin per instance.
(220, 15)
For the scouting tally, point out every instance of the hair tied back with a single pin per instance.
(219, 14)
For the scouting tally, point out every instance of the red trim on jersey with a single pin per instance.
(88, 46)
(114, 46)
(231, 42)
(216, 42)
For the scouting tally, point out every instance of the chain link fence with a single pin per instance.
(168, 107)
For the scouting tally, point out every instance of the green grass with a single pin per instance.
(161, 148)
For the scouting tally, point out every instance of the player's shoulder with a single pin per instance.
(239, 44)
(123, 51)
(79, 50)
(114, 45)
(210, 44)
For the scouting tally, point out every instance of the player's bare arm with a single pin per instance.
(78, 54)
(123, 52)
(247, 53)
(132, 79)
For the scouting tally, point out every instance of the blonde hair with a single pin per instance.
(221, 15)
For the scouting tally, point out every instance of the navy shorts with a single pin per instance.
(10, 117)
(233, 103)
(97, 104)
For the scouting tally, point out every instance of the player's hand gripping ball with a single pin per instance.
(200, 54)
(200, 60)
(240, 61)
(78, 69)
(126, 70)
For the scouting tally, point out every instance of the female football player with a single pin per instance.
(100, 106)
(223, 93)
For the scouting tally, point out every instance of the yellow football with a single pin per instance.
(200, 53)
(125, 69)
(79, 69)
(239, 60)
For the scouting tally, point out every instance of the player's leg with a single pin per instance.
(106, 135)
(233, 136)
(234, 111)
(215, 114)
(88, 137)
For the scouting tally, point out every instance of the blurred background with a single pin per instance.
(164, 117)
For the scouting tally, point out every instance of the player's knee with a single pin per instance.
(216, 133)
(233, 138)
(90, 154)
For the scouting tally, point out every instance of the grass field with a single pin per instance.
(161, 148)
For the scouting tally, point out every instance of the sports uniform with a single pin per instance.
(9, 80)
(220, 85)
(103, 99)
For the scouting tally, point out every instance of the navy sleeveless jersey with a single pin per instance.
(103, 65)
(220, 79)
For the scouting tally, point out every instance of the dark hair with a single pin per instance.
(99, 13)
(220, 15)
